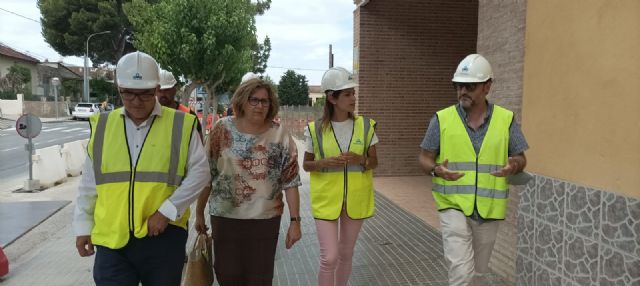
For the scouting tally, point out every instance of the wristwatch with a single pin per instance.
(433, 171)
(296, 218)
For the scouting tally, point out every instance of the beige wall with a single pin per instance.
(581, 92)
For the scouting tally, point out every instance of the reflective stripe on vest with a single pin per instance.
(102, 178)
(330, 186)
(477, 187)
(128, 195)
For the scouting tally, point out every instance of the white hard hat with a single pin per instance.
(166, 79)
(248, 76)
(337, 78)
(137, 70)
(473, 68)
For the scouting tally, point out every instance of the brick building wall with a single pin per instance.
(501, 28)
(406, 52)
(501, 31)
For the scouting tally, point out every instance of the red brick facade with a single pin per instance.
(405, 54)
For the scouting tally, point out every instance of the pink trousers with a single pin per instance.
(337, 240)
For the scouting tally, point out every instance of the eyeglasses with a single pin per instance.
(254, 101)
(144, 95)
(469, 86)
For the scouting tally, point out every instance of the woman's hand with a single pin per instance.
(200, 224)
(338, 161)
(353, 158)
(293, 234)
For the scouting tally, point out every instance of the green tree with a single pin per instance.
(209, 42)
(16, 81)
(72, 89)
(260, 56)
(101, 89)
(66, 24)
(293, 89)
(320, 102)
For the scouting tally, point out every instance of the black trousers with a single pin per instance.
(151, 260)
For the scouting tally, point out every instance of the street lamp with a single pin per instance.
(86, 68)
(55, 82)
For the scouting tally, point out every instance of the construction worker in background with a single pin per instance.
(469, 150)
(167, 96)
(142, 173)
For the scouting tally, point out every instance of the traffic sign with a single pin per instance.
(28, 126)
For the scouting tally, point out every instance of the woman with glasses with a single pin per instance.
(340, 155)
(252, 160)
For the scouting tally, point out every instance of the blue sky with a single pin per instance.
(300, 33)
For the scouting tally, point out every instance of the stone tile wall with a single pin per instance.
(575, 235)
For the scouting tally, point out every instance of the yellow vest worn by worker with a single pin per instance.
(477, 186)
(128, 195)
(331, 186)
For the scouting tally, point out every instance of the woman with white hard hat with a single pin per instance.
(340, 155)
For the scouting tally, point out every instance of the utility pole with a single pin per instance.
(330, 56)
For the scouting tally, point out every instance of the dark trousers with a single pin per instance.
(244, 250)
(150, 260)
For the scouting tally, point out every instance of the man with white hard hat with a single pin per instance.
(142, 173)
(470, 149)
(167, 96)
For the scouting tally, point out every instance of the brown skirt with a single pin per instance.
(244, 250)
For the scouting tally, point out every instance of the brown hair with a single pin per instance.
(246, 89)
(329, 110)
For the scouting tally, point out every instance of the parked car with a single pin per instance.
(85, 110)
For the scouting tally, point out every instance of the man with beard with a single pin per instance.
(469, 150)
(167, 96)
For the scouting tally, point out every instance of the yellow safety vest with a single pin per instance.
(477, 187)
(128, 195)
(331, 186)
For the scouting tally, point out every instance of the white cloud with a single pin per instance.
(300, 33)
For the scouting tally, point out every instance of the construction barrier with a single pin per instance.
(74, 155)
(48, 166)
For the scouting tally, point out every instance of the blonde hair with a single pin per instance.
(249, 87)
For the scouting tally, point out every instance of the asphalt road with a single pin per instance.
(14, 158)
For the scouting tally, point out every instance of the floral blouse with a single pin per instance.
(250, 172)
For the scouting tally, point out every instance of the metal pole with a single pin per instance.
(30, 148)
(85, 90)
(55, 82)
(85, 83)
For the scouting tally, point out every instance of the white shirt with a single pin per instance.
(196, 178)
(343, 131)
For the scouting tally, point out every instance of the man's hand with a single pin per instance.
(293, 234)
(157, 224)
(443, 172)
(512, 167)
(84, 245)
